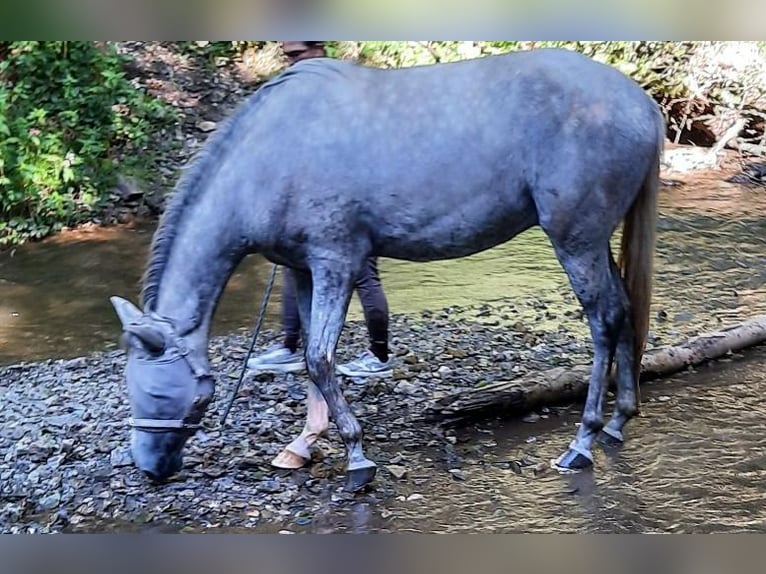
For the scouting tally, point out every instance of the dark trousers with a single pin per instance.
(374, 305)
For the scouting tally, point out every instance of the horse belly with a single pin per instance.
(458, 232)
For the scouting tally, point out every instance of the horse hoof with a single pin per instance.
(573, 460)
(610, 439)
(289, 460)
(358, 478)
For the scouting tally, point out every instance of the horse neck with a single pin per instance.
(205, 252)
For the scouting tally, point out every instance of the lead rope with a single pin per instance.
(257, 330)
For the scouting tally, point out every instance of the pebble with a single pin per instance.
(405, 388)
(120, 457)
(457, 474)
(397, 471)
(206, 126)
(270, 486)
(50, 501)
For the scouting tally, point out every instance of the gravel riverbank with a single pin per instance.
(65, 465)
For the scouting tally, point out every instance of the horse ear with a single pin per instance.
(126, 311)
(152, 337)
(131, 318)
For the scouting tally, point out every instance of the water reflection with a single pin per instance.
(54, 295)
(695, 461)
(711, 269)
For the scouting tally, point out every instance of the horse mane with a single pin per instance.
(192, 182)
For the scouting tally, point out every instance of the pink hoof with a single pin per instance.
(290, 460)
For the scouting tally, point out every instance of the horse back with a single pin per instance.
(446, 160)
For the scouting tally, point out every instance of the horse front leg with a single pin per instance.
(330, 298)
(298, 453)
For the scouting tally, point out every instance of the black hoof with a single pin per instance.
(358, 478)
(608, 441)
(573, 460)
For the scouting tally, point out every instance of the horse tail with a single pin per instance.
(636, 260)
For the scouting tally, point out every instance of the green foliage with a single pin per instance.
(67, 116)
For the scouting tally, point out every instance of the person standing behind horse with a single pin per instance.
(285, 357)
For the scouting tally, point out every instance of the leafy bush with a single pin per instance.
(68, 115)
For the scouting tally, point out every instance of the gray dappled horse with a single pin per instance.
(331, 162)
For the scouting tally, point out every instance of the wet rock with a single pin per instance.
(206, 126)
(405, 388)
(397, 471)
(50, 501)
(270, 486)
(120, 457)
(124, 216)
(457, 474)
(74, 364)
(457, 353)
(213, 472)
(64, 420)
(531, 417)
(683, 317)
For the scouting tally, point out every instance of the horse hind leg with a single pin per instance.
(626, 400)
(298, 453)
(591, 273)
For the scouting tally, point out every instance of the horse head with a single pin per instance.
(169, 389)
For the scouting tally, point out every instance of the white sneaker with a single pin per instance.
(278, 359)
(366, 365)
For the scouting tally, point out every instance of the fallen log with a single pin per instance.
(567, 384)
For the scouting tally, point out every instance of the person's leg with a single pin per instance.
(375, 361)
(284, 357)
(291, 321)
(375, 307)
